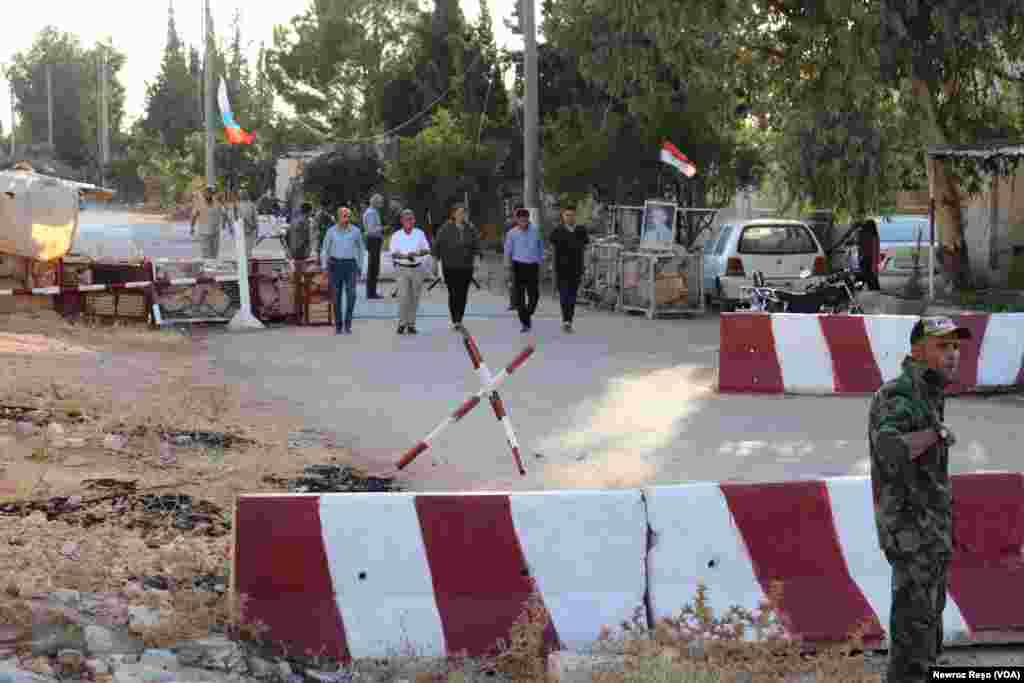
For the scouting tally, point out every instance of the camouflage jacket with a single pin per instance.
(913, 498)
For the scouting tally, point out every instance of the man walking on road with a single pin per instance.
(909, 447)
(524, 254)
(455, 248)
(374, 241)
(570, 241)
(210, 217)
(342, 258)
(408, 247)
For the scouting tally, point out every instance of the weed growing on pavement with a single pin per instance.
(122, 336)
(696, 646)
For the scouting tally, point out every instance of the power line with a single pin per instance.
(406, 124)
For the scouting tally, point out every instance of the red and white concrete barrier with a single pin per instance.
(817, 539)
(370, 575)
(853, 354)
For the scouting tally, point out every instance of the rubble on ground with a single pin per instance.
(132, 508)
(334, 479)
(98, 638)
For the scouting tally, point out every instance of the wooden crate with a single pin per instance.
(319, 313)
(670, 289)
(127, 305)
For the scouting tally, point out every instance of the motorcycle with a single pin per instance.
(837, 293)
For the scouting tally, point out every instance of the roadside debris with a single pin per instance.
(134, 509)
(334, 479)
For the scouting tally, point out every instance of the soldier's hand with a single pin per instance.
(950, 437)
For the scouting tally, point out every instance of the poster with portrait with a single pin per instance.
(658, 228)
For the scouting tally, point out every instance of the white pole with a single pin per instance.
(244, 319)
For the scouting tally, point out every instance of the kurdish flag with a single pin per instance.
(236, 136)
(671, 155)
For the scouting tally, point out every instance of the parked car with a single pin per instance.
(898, 241)
(779, 248)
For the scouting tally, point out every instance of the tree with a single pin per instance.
(170, 100)
(74, 81)
(440, 164)
(330, 62)
(635, 63)
(340, 178)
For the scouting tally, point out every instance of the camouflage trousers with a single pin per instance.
(915, 622)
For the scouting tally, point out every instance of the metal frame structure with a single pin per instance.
(656, 262)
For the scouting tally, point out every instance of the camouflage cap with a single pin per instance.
(937, 327)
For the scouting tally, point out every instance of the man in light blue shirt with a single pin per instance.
(374, 241)
(524, 254)
(342, 258)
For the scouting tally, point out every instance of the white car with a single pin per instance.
(779, 248)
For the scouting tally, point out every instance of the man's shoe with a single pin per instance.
(401, 329)
(339, 331)
(567, 327)
(457, 327)
(348, 329)
(526, 329)
(411, 330)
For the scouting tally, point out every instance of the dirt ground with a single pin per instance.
(96, 382)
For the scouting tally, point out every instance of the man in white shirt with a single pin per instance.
(408, 247)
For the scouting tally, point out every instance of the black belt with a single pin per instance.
(339, 260)
(406, 265)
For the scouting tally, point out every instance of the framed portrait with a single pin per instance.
(659, 225)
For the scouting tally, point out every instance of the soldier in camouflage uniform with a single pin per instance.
(912, 494)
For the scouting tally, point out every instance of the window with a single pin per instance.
(777, 239)
(904, 230)
(723, 239)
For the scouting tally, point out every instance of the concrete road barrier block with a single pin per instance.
(854, 354)
(368, 575)
(817, 541)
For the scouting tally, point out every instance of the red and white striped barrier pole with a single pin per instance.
(467, 405)
(51, 291)
(496, 404)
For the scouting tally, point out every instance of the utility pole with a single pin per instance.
(49, 100)
(209, 99)
(99, 117)
(531, 198)
(106, 110)
(13, 128)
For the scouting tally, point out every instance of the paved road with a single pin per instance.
(623, 402)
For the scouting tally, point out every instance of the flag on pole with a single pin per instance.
(671, 155)
(236, 136)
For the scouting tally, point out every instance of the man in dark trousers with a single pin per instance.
(909, 447)
(570, 242)
(524, 254)
(868, 248)
(374, 241)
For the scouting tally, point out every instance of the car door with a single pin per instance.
(714, 256)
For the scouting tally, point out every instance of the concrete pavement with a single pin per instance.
(623, 402)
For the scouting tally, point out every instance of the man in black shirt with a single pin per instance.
(570, 242)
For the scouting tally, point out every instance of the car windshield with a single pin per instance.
(902, 229)
(777, 239)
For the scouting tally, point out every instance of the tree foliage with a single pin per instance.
(171, 100)
(437, 166)
(75, 87)
(332, 60)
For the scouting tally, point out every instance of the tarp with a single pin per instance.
(38, 215)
